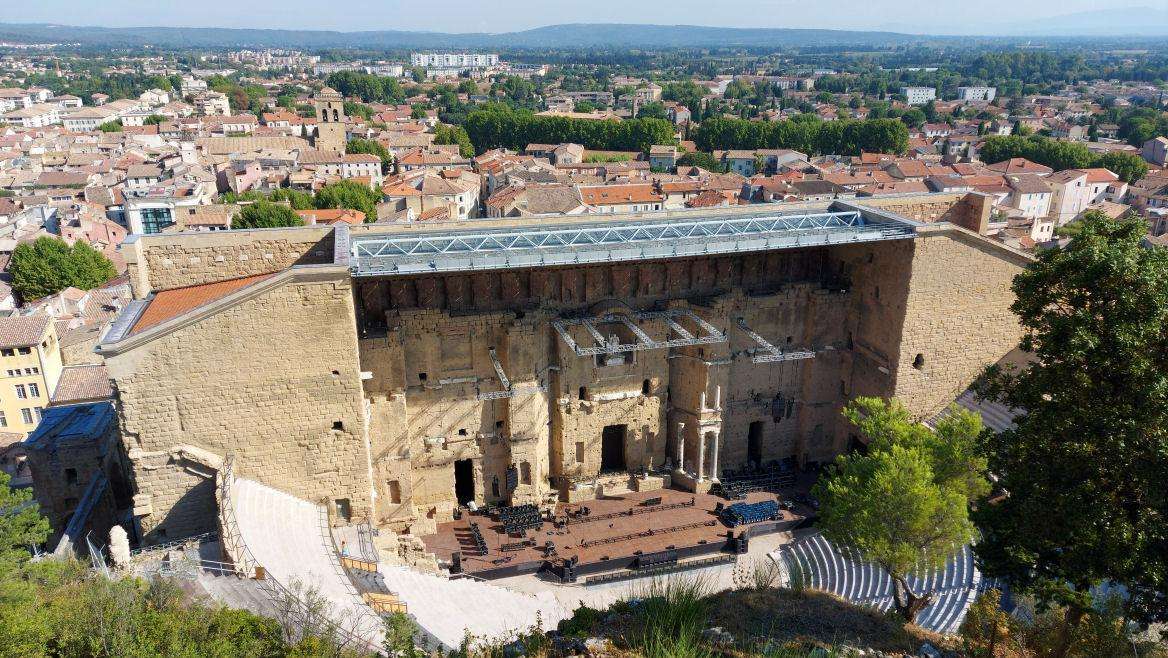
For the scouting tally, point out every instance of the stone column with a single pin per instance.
(717, 397)
(701, 456)
(714, 455)
(702, 402)
(681, 447)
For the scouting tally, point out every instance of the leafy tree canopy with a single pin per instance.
(265, 214)
(901, 504)
(49, 265)
(495, 126)
(1060, 155)
(21, 525)
(810, 135)
(372, 147)
(1083, 469)
(446, 134)
(349, 194)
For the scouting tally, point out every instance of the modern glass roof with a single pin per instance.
(593, 241)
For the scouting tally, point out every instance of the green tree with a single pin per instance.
(653, 110)
(1083, 469)
(114, 126)
(358, 110)
(265, 214)
(899, 505)
(349, 194)
(371, 147)
(1128, 166)
(446, 134)
(702, 159)
(21, 525)
(584, 106)
(49, 265)
(154, 120)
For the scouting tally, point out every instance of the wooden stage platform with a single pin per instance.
(610, 532)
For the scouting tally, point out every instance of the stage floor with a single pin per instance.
(673, 526)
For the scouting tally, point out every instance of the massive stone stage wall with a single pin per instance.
(375, 392)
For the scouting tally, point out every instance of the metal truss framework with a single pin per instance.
(508, 389)
(770, 353)
(711, 334)
(596, 242)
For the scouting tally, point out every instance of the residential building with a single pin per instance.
(918, 95)
(30, 365)
(454, 60)
(1030, 195)
(212, 103)
(663, 157)
(621, 198)
(1155, 151)
(34, 116)
(89, 118)
(977, 94)
(456, 192)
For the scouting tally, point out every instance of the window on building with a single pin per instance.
(7, 352)
(24, 350)
(156, 219)
(26, 415)
(39, 412)
(34, 391)
(70, 476)
(3, 420)
(21, 392)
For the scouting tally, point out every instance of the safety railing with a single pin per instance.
(245, 565)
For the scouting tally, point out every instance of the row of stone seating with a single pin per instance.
(824, 566)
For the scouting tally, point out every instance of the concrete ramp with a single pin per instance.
(447, 609)
(289, 538)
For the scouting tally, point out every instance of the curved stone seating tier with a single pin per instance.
(449, 608)
(829, 568)
(286, 537)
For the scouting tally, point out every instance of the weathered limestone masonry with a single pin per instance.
(162, 262)
(269, 375)
(383, 393)
(957, 315)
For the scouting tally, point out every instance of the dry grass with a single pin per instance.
(756, 616)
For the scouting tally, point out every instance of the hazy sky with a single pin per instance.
(936, 16)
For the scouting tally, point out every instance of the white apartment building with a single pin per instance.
(154, 97)
(919, 95)
(89, 118)
(191, 85)
(1076, 189)
(975, 94)
(454, 60)
(213, 103)
(35, 116)
(12, 98)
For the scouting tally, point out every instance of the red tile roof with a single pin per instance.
(169, 304)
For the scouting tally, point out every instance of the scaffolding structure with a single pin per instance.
(709, 333)
(769, 353)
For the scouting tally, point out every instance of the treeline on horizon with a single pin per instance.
(1060, 155)
(809, 135)
(498, 126)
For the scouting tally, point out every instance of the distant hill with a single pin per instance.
(1133, 21)
(1121, 21)
(552, 36)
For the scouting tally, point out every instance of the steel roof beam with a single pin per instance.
(770, 353)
